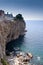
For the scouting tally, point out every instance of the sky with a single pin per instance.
(30, 9)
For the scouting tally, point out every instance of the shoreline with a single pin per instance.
(20, 59)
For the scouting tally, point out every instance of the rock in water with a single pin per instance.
(30, 55)
(20, 59)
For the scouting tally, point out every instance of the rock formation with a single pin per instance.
(10, 30)
(21, 59)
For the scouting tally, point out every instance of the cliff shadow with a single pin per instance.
(14, 44)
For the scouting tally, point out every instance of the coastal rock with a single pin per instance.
(10, 30)
(29, 55)
(20, 59)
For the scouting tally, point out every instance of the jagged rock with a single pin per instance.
(10, 30)
(20, 59)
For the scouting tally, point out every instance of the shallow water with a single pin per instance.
(31, 42)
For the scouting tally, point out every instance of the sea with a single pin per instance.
(31, 42)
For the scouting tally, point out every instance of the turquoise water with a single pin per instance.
(32, 41)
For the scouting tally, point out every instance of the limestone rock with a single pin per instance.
(20, 59)
(10, 30)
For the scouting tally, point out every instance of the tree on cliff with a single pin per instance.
(18, 17)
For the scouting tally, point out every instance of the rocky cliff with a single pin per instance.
(9, 30)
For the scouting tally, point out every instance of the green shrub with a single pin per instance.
(19, 16)
(4, 62)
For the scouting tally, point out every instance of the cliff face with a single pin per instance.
(10, 30)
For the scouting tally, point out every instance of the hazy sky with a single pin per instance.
(30, 9)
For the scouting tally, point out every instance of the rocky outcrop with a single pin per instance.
(10, 30)
(20, 59)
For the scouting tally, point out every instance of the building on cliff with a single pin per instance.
(4, 16)
(9, 16)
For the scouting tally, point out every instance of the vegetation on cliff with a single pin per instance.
(19, 16)
(4, 62)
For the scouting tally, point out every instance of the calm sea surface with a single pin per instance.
(32, 41)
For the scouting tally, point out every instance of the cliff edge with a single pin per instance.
(10, 30)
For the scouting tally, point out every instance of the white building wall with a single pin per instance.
(6, 18)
